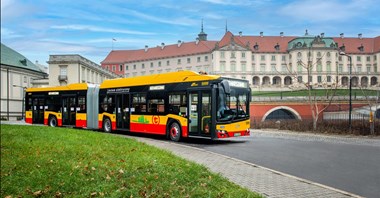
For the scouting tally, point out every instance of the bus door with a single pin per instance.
(38, 106)
(69, 110)
(123, 111)
(199, 113)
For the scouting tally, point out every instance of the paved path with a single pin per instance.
(267, 182)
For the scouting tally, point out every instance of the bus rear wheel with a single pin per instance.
(175, 132)
(107, 126)
(52, 121)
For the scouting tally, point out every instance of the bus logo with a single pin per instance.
(156, 120)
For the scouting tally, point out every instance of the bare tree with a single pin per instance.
(318, 104)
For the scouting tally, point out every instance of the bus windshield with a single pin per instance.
(232, 106)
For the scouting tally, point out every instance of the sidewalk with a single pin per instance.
(267, 182)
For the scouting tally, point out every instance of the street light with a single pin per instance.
(22, 105)
(342, 53)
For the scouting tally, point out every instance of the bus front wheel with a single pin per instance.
(107, 126)
(175, 132)
(52, 121)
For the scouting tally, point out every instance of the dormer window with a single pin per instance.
(277, 47)
(361, 48)
(256, 47)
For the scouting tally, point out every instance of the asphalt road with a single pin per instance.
(349, 164)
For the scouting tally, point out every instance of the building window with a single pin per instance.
(328, 67)
(253, 57)
(221, 54)
(113, 68)
(319, 78)
(319, 67)
(126, 67)
(340, 68)
(328, 54)
(233, 55)
(198, 59)
(143, 66)
(283, 58)
(283, 68)
(63, 70)
(368, 68)
(120, 67)
(310, 79)
(340, 58)
(159, 63)
(273, 58)
(299, 68)
(188, 60)
(262, 57)
(299, 79)
(243, 67)
(134, 66)
(319, 54)
(328, 78)
(167, 63)
(222, 66)
(359, 69)
(358, 58)
(233, 66)
(375, 68)
(206, 58)
(273, 66)
(243, 54)
(262, 68)
(151, 65)
(374, 58)
(178, 61)
(299, 55)
(368, 58)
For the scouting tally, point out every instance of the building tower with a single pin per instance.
(202, 36)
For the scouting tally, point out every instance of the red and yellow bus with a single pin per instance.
(176, 104)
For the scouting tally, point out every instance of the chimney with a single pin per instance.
(146, 48)
(179, 43)
(341, 35)
(162, 45)
(360, 36)
(322, 34)
(197, 41)
(261, 34)
(282, 34)
(240, 33)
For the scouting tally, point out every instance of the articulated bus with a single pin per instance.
(176, 104)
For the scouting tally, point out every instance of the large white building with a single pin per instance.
(267, 62)
(17, 73)
(73, 68)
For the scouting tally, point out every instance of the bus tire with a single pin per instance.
(52, 121)
(175, 132)
(107, 125)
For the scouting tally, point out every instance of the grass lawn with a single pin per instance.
(61, 162)
(317, 92)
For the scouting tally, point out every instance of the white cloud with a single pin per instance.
(333, 10)
(8, 34)
(99, 29)
(184, 21)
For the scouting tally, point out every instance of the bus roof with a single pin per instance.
(70, 87)
(164, 78)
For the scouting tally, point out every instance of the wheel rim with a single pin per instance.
(53, 122)
(107, 125)
(174, 131)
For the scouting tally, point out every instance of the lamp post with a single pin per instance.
(23, 97)
(350, 89)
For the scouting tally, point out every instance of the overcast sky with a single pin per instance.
(39, 28)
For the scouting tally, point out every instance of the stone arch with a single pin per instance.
(288, 80)
(364, 81)
(354, 81)
(276, 80)
(286, 108)
(266, 80)
(256, 81)
(344, 81)
(373, 81)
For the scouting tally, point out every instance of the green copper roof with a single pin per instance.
(311, 41)
(14, 59)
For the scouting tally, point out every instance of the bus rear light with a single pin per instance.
(207, 129)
